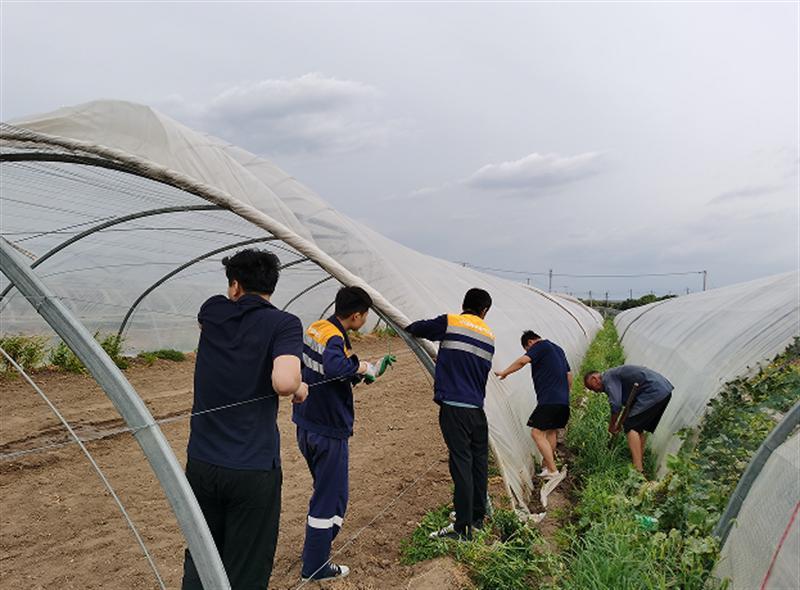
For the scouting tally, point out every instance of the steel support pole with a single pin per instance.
(110, 223)
(183, 267)
(414, 344)
(130, 406)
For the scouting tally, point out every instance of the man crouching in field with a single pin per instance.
(249, 354)
(645, 410)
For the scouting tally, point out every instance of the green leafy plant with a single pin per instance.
(167, 354)
(503, 554)
(62, 356)
(384, 331)
(609, 548)
(28, 352)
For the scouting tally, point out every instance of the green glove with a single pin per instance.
(375, 371)
(385, 363)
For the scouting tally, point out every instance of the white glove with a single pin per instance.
(371, 374)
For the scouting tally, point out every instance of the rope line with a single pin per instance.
(133, 430)
(369, 524)
(94, 464)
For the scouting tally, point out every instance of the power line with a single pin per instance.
(584, 276)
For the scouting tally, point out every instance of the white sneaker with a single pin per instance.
(547, 474)
(332, 572)
(447, 531)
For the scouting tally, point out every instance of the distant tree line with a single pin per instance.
(627, 303)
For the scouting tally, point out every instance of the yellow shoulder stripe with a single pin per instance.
(322, 331)
(470, 322)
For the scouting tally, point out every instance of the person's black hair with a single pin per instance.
(528, 335)
(476, 301)
(587, 375)
(350, 300)
(255, 270)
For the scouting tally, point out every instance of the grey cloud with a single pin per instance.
(536, 173)
(747, 192)
(308, 114)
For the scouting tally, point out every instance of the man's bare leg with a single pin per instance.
(540, 438)
(643, 436)
(636, 445)
(552, 438)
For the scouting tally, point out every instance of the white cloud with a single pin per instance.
(532, 175)
(309, 114)
(535, 173)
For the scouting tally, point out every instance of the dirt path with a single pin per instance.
(60, 529)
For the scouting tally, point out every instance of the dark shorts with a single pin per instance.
(549, 417)
(648, 420)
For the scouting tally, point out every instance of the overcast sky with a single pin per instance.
(587, 138)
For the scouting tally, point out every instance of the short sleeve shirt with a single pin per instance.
(619, 381)
(239, 341)
(549, 368)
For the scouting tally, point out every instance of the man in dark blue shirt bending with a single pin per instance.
(249, 354)
(552, 380)
(652, 393)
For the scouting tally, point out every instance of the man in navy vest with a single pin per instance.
(552, 380)
(325, 424)
(249, 354)
(462, 369)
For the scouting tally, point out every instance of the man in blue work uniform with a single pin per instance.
(249, 354)
(462, 369)
(552, 380)
(325, 423)
(652, 397)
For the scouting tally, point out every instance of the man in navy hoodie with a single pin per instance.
(462, 369)
(249, 354)
(325, 423)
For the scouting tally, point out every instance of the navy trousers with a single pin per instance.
(466, 435)
(327, 460)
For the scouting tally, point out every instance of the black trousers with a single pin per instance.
(466, 435)
(242, 509)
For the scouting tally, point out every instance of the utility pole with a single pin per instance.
(550, 282)
(705, 280)
(606, 298)
(631, 294)
(590, 298)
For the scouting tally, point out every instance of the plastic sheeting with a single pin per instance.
(763, 549)
(44, 202)
(702, 341)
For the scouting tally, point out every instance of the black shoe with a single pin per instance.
(329, 572)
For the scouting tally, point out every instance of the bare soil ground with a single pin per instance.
(60, 529)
